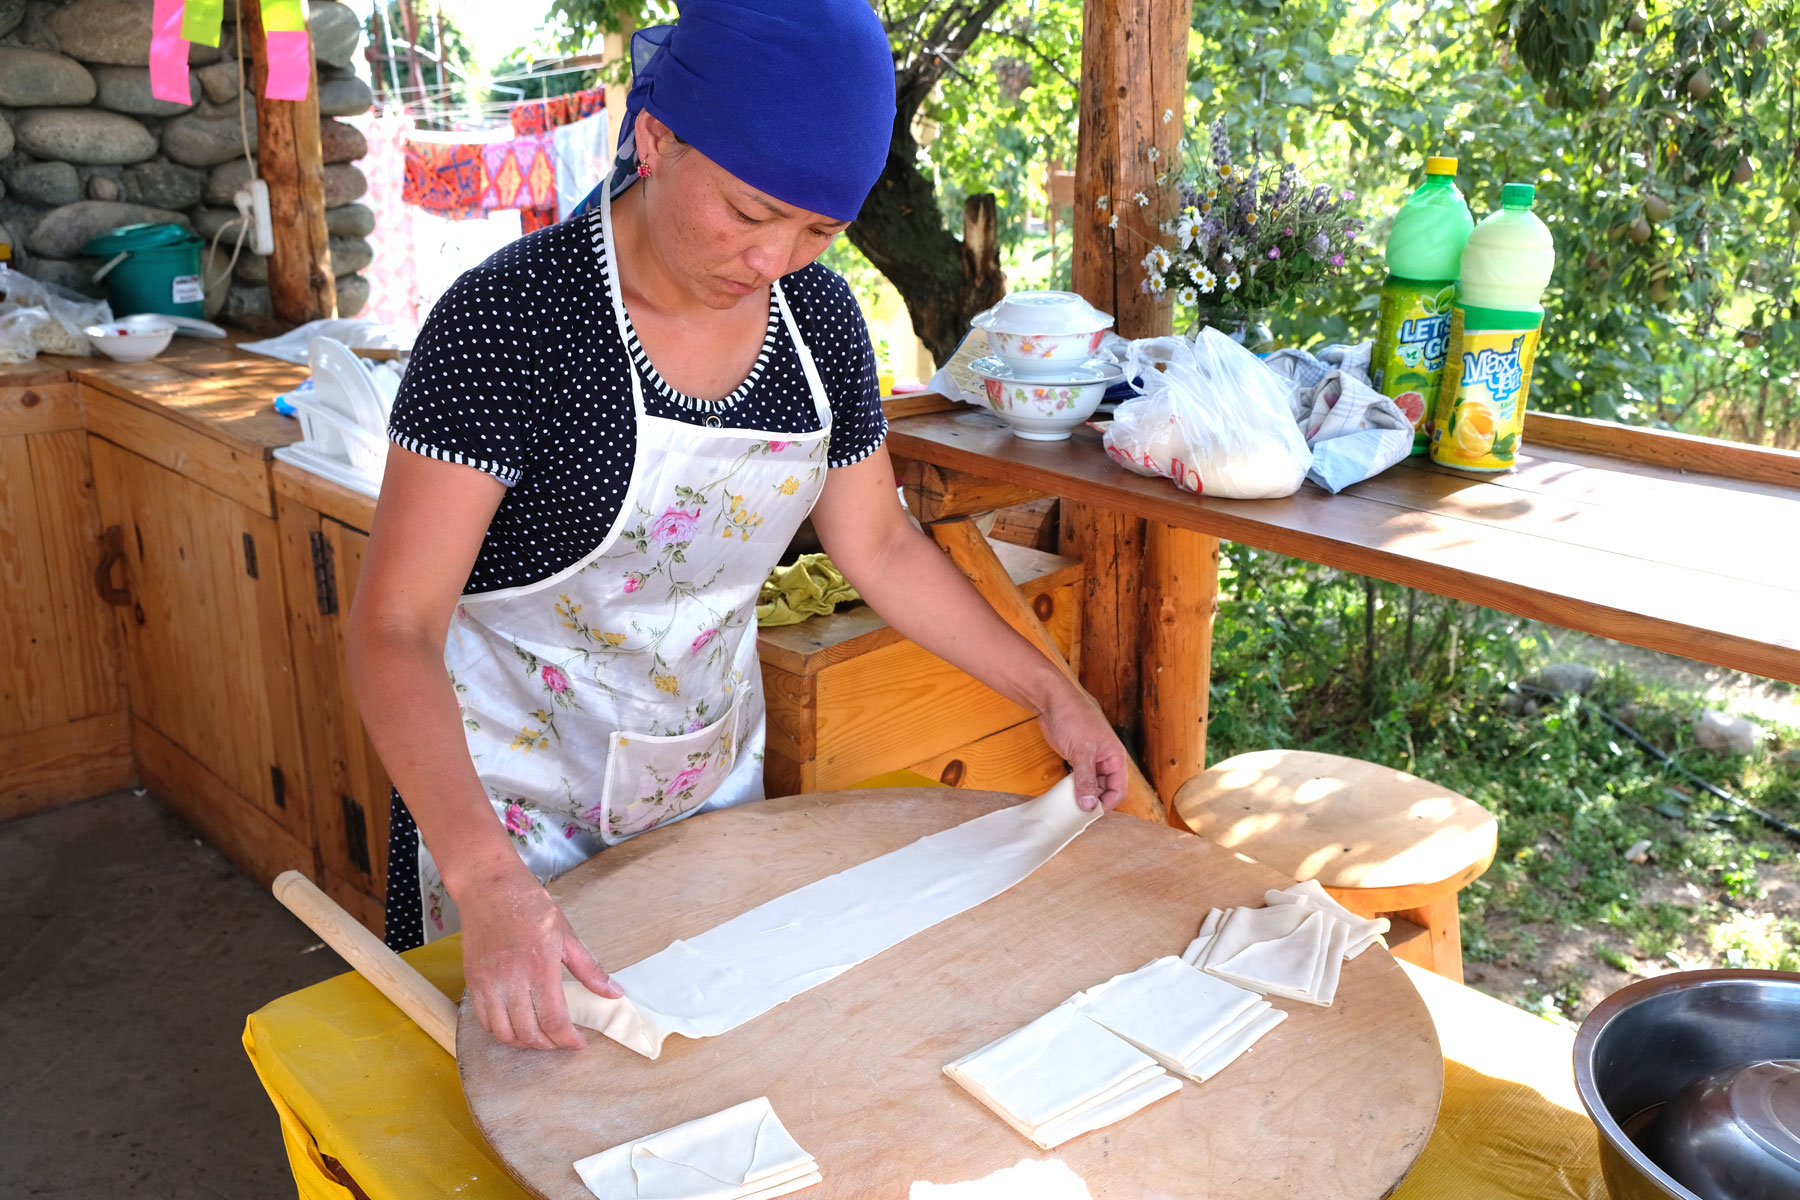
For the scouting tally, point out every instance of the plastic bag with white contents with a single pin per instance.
(70, 312)
(1212, 417)
(18, 329)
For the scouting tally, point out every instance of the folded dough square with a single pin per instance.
(1364, 931)
(1060, 1076)
(739, 1153)
(1167, 1009)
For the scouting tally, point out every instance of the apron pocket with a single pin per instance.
(651, 780)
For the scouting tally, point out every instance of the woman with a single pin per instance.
(607, 436)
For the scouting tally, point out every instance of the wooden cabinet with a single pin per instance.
(64, 732)
(207, 659)
(850, 699)
(322, 543)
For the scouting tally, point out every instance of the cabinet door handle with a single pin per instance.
(112, 553)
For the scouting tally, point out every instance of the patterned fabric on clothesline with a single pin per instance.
(541, 116)
(445, 179)
(520, 174)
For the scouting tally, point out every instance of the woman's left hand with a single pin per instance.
(1076, 729)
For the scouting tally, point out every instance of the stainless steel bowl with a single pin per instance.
(1644, 1044)
(1735, 1132)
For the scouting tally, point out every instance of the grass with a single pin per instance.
(1315, 659)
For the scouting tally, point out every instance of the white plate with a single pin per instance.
(1095, 370)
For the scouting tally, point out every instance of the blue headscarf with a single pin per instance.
(794, 97)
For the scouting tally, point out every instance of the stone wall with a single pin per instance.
(85, 148)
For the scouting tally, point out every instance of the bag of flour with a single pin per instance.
(1212, 417)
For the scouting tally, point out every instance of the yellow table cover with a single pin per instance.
(364, 1096)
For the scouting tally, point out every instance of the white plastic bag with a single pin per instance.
(18, 329)
(1212, 417)
(70, 312)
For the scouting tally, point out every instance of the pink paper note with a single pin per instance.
(168, 53)
(290, 65)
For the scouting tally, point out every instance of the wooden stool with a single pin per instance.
(1382, 842)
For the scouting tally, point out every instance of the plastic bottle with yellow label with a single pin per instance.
(1424, 251)
(1480, 413)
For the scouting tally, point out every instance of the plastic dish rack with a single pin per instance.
(343, 420)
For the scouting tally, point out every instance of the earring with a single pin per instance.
(643, 171)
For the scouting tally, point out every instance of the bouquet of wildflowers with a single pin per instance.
(1242, 242)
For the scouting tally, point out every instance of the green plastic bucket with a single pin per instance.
(151, 269)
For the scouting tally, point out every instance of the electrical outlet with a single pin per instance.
(253, 204)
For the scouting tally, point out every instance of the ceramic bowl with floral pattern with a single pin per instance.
(1043, 334)
(1045, 410)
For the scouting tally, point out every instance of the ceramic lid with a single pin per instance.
(1094, 370)
(1042, 312)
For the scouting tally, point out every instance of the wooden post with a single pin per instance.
(1133, 70)
(288, 156)
(975, 558)
(1181, 585)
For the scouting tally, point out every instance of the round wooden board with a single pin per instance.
(1335, 1102)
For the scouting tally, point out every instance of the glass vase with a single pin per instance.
(1247, 327)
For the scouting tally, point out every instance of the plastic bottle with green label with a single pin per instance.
(1424, 256)
(1480, 412)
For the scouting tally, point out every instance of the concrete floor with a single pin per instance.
(130, 954)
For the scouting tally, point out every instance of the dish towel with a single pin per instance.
(445, 178)
(1061, 1076)
(810, 586)
(742, 1153)
(1364, 931)
(1354, 431)
(1192, 1023)
(721, 978)
(1286, 950)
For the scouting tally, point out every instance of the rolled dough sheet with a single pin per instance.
(706, 985)
(1235, 1041)
(1364, 931)
(741, 1153)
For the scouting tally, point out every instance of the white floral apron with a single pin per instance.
(624, 692)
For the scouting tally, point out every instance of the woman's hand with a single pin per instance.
(516, 942)
(1076, 729)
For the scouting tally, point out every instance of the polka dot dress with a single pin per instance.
(521, 372)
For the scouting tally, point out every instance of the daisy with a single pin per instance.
(1114, 223)
(1188, 228)
(1156, 262)
(1232, 281)
(1187, 296)
(1168, 115)
(1102, 203)
(1204, 279)
(1153, 154)
(1143, 201)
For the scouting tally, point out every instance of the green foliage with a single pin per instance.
(1316, 659)
(1006, 112)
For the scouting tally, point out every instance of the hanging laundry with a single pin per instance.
(519, 173)
(541, 116)
(582, 154)
(445, 178)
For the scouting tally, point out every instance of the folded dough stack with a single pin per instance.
(1192, 1023)
(742, 1153)
(1060, 1076)
(1364, 931)
(1289, 950)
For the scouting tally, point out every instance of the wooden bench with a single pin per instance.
(849, 698)
(1382, 842)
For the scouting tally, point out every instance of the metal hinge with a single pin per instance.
(356, 835)
(250, 556)
(278, 785)
(324, 574)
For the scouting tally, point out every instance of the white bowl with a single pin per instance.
(1045, 410)
(1043, 334)
(134, 339)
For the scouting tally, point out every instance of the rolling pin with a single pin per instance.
(392, 975)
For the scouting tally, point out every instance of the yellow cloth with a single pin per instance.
(808, 587)
(355, 1080)
(1511, 1126)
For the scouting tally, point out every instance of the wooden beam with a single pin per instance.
(975, 558)
(1181, 587)
(1110, 544)
(1133, 70)
(935, 493)
(288, 155)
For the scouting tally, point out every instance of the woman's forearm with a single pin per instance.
(413, 718)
